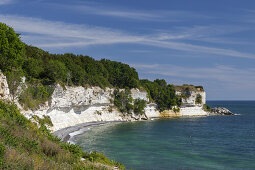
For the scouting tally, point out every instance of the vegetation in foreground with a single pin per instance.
(26, 144)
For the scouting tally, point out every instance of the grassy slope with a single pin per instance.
(28, 145)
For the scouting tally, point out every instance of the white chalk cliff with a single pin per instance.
(74, 105)
(189, 106)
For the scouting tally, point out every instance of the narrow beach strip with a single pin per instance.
(67, 133)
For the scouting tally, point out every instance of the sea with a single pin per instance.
(213, 142)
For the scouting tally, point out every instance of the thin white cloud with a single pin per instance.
(143, 15)
(52, 34)
(5, 2)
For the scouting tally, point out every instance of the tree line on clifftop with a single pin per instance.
(42, 70)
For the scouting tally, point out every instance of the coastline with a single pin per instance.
(66, 134)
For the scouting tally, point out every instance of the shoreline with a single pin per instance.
(66, 134)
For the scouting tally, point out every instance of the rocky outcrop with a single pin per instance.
(4, 89)
(221, 111)
(190, 106)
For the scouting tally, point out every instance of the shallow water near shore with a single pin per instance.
(216, 142)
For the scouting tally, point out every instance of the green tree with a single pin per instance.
(198, 99)
(55, 71)
(123, 100)
(139, 106)
(11, 49)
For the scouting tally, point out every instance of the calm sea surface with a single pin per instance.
(216, 142)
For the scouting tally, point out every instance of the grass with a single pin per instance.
(26, 144)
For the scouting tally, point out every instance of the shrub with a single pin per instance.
(176, 109)
(139, 106)
(75, 149)
(2, 151)
(123, 100)
(198, 99)
(34, 95)
(98, 112)
(161, 93)
(207, 108)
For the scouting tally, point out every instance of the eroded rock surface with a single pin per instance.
(222, 111)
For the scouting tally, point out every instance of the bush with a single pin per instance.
(123, 100)
(176, 109)
(75, 149)
(34, 95)
(207, 108)
(2, 149)
(198, 99)
(139, 106)
(162, 94)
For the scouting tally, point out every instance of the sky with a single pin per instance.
(199, 42)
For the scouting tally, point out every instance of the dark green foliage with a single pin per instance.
(139, 106)
(123, 100)
(70, 69)
(121, 75)
(11, 49)
(201, 87)
(33, 67)
(207, 108)
(125, 103)
(55, 71)
(176, 109)
(66, 69)
(198, 99)
(75, 149)
(161, 93)
(2, 150)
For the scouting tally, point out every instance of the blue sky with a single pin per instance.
(200, 42)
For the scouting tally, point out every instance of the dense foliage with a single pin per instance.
(207, 108)
(11, 49)
(126, 104)
(161, 93)
(79, 70)
(24, 145)
(123, 100)
(139, 106)
(198, 99)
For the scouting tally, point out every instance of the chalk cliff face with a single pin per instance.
(75, 105)
(189, 106)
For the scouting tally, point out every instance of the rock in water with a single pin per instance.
(222, 111)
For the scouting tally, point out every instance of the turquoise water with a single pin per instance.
(216, 142)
